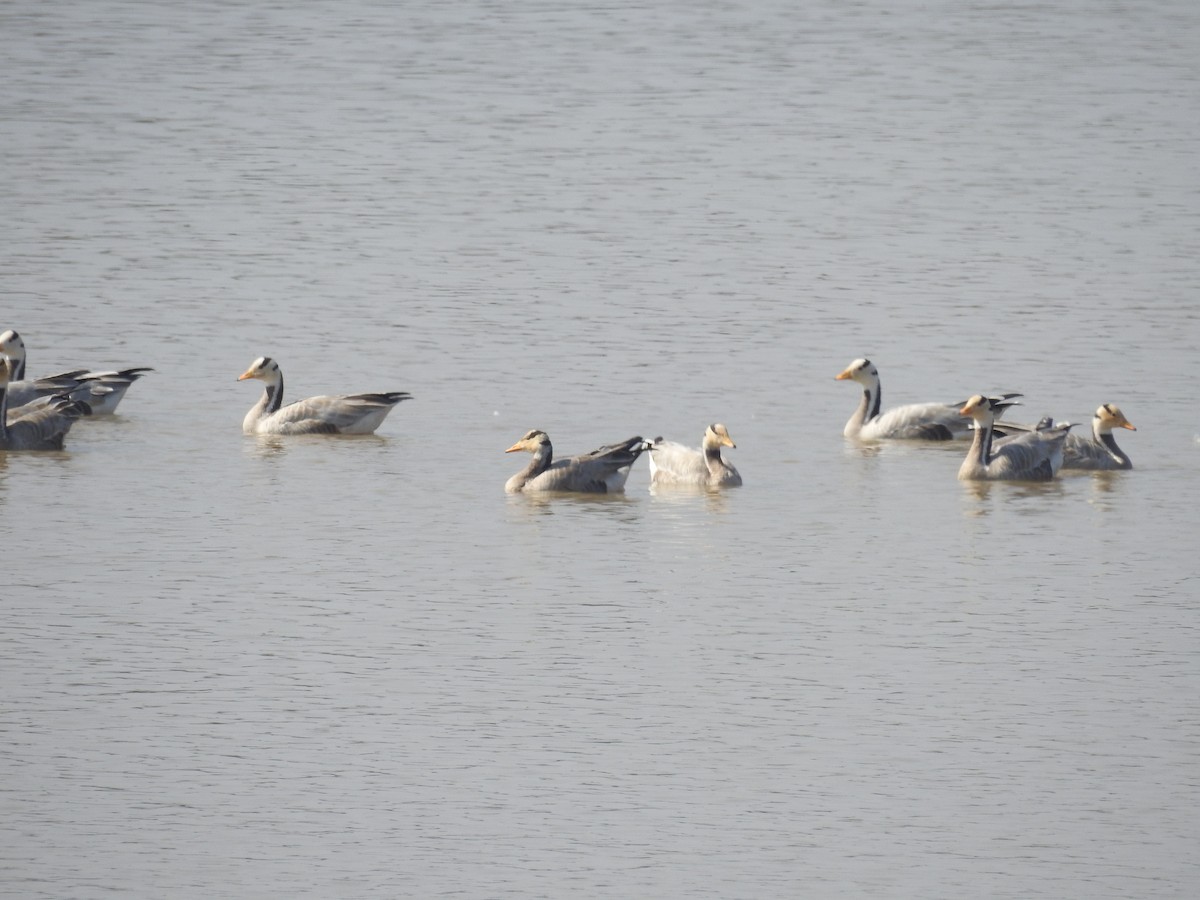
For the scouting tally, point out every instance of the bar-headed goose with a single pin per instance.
(102, 391)
(351, 414)
(675, 464)
(1098, 452)
(1027, 456)
(602, 471)
(919, 421)
(40, 428)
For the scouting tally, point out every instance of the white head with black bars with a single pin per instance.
(1109, 416)
(534, 441)
(981, 408)
(264, 369)
(861, 370)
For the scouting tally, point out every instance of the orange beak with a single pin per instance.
(514, 448)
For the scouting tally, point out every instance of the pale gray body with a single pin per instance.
(914, 421)
(1028, 456)
(349, 414)
(602, 471)
(672, 463)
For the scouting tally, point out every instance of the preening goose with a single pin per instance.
(602, 471)
(1098, 452)
(1028, 456)
(676, 464)
(350, 414)
(102, 391)
(40, 428)
(920, 421)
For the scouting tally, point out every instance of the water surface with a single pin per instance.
(354, 667)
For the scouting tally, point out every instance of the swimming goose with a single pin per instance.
(351, 414)
(672, 463)
(1101, 451)
(1097, 453)
(602, 471)
(102, 391)
(922, 421)
(42, 428)
(1028, 456)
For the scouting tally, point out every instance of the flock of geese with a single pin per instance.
(1000, 450)
(36, 414)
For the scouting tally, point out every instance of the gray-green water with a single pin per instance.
(355, 668)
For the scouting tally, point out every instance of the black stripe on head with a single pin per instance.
(1107, 407)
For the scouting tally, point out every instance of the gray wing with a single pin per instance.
(1081, 452)
(22, 392)
(104, 390)
(1030, 456)
(924, 421)
(601, 471)
(352, 414)
(44, 427)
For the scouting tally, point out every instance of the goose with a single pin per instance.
(602, 471)
(1028, 456)
(1097, 453)
(350, 414)
(672, 463)
(1101, 451)
(921, 421)
(41, 428)
(102, 391)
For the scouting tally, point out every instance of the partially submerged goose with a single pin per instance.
(676, 464)
(40, 428)
(920, 421)
(602, 471)
(102, 391)
(350, 414)
(1028, 456)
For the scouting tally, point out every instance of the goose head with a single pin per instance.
(264, 369)
(985, 409)
(11, 343)
(534, 441)
(1110, 416)
(717, 435)
(861, 370)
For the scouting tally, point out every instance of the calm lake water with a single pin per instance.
(353, 667)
